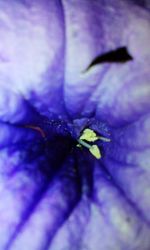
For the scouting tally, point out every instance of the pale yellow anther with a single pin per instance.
(89, 135)
(95, 151)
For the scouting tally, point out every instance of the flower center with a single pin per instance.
(80, 133)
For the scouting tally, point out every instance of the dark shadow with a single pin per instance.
(120, 55)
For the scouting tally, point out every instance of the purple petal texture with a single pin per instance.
(125, 86)
(32, 49)
(51, 196)
(142, 3)
(132, 165)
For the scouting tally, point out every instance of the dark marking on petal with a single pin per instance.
(36, 128)
(120, 55)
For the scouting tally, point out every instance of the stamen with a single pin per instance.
(104, 139)
(85, 144)
(90, 136)
(95, 151)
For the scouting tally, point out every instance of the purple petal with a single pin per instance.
(114, 93)
(33, 34)
(51, 197)
(127, 159)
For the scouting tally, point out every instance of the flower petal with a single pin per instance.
(32, 49)
(115, 93)
(127, 160)
(34, 184)
(106, 221)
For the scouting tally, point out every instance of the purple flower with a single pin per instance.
(66, 66)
